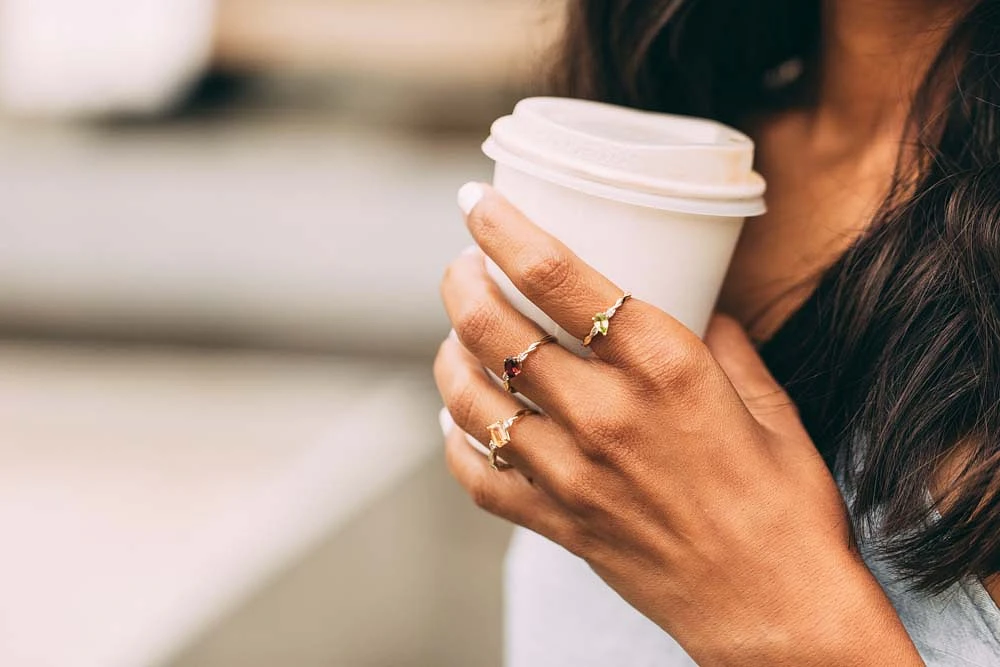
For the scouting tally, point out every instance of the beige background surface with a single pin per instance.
(414, 581)
(219, 435)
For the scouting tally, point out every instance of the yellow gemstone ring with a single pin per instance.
(500, 435)
(603, 320)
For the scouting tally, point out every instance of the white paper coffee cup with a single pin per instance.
(655, 202)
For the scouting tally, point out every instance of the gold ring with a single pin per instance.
(500, 435)
(512, 366)
(603, 320)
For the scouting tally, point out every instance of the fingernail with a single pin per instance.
(471, 250)
(447, 423)
(453, 334)
(469, 195)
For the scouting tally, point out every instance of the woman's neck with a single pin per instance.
(874, 56)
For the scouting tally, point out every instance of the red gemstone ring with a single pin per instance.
(512, 366)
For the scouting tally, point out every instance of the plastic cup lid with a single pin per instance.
(664, 155)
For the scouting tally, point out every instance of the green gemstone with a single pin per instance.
(601, 320)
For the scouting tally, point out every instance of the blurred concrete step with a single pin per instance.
(414, 580)
(261, 231)
(145, 493)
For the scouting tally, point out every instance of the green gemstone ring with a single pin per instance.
(602, 321)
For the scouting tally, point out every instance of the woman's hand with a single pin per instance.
(678, 469)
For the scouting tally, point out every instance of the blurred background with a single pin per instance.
(222, 225)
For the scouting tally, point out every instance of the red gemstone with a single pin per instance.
(512, 367)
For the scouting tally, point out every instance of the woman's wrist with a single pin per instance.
(857, 624)
(870, 632)
(846, 620)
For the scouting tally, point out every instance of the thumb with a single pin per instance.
(736, 355)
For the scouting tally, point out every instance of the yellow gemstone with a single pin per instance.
(499, 436)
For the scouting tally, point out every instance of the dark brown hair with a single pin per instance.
(894, 360)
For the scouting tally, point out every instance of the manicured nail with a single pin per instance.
(447, 423)
(469, 195)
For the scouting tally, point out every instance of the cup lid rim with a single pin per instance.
(703, 159)
(747, 207)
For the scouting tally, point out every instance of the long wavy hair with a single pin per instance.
(894, 360)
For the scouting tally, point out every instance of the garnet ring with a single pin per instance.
(512, 366)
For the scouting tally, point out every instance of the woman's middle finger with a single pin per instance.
(493, 330)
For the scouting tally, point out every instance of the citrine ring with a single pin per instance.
(500, 435)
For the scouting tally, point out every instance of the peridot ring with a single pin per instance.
(602, 320)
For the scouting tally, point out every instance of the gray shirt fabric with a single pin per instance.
(960, 626)
(559, 613)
